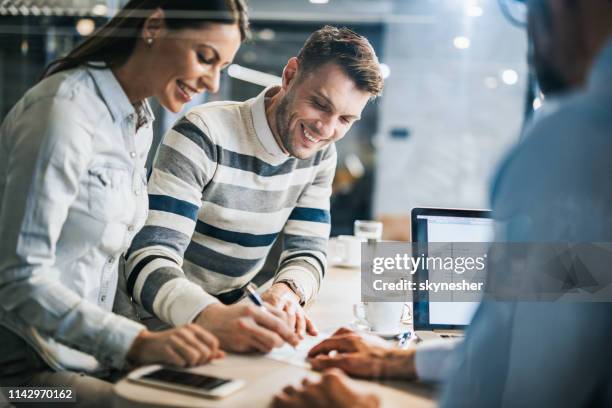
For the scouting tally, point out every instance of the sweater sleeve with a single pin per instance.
(303, 260)
(184, 165)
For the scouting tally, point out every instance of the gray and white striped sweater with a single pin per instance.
(220, 192)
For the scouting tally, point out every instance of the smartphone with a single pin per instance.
(185, 381)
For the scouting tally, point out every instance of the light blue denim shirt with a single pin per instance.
(434, 361)
(72, 196)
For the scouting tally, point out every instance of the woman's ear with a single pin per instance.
(152, 26)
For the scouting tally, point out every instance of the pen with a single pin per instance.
(403, 339)
(255, 298)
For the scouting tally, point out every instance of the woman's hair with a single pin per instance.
(114, 42)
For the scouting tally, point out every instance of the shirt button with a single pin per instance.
(131, 228)
(132, 154)
(111, 260)
(103, 298)
(137, 192)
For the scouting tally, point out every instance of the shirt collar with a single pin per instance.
(144, 114)
(115, 98)
(262, 127)
(601, 73)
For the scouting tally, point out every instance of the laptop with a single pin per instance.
(435, 320)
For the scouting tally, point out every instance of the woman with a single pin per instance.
(73, 194)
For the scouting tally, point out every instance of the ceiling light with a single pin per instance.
(267, 34)
(354, 165)
(509, 76)
(461, 42)
(99, 10)
(253, 76)
(319, 1)
(385, 71)
(85, 26)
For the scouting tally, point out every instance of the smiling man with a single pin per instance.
(230, 177)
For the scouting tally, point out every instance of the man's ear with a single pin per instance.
(290, 72)
(153, 25)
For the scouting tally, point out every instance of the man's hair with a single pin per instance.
(351, 51)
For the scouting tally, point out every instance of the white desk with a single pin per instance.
(265, 377)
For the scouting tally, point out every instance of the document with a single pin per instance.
(297, 356)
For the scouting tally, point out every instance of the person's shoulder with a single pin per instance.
(216, 119)
(563, 152)
(216, 108)
(72, 88)
(575, 120)
(65, 84)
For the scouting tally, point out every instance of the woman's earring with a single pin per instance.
(149, 40)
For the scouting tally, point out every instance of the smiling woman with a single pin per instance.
(73, 194)
(167, 49)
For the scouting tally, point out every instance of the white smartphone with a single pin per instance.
(185, 381)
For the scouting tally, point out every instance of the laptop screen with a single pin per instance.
(439, 225)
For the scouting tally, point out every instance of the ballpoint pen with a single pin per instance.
(403, 339)
(255, 298)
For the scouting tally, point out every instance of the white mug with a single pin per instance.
(345, 250)
(380, 317)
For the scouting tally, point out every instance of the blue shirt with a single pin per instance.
(72, 196)
(558, 178)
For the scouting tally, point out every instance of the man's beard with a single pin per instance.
(282, 123)
(550, 81)
(540, 31)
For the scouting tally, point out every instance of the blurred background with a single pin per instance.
(457, 90)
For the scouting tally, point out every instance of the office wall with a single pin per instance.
(446, 117)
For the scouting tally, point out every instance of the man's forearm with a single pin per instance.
(399, 364)
(303, 275)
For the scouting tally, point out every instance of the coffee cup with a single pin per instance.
(381, 317)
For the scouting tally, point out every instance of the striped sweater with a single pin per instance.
(220, 192)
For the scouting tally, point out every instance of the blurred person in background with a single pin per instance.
(73, 194)
(554, 187)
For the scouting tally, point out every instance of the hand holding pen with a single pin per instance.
(257, 300)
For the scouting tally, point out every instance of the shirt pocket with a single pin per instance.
(109, 188)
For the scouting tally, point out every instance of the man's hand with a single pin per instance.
(334, 390)
(183, 346)
(246, 328)
(281, 296)
(361, 355)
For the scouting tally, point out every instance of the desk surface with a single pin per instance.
(264, 376)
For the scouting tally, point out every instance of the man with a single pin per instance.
(230, 177)
(553, 188)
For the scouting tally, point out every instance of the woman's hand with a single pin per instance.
(184, 346)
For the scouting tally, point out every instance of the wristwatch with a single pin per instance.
(296, 289)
